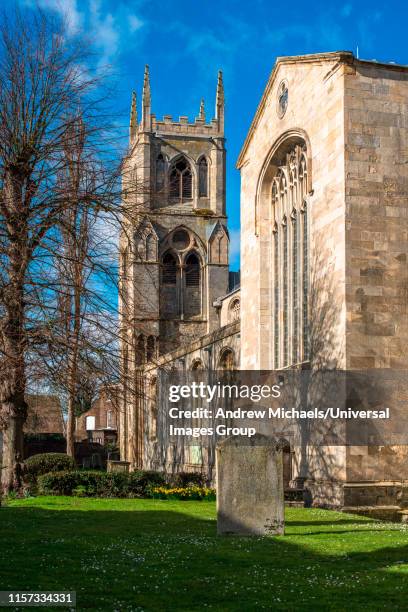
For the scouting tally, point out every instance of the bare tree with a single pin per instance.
(44, 88)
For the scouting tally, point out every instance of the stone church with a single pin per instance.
(324, 245)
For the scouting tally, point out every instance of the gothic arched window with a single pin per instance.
(140, 350)
(160, 172)
(290, 251)
(276, 286)
(150, 348)
(181, 180)
(192, 286)
(305, 282)
(153, 408)
(197, 365)
(295, 289)
(234, 310)
(202, 178)
(285, 279)
(227, 360)
(192, 271)
(169, 294)
(151, 248)
(169, 269)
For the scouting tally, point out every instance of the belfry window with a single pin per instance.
(202, 178)
(192, 271)
(169, 270)
(192, 298)
(181, 181)
(170, 286)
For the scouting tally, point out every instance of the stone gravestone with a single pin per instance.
(250, 497)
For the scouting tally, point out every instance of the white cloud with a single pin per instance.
(235, 243)
(105, 32)
(134, 23)
(346, 10)
(68, 10)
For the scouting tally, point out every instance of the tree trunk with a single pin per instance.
(13, 408)
(73, 376)
(13, 449)
(71, 428)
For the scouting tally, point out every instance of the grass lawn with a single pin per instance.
(165, 555)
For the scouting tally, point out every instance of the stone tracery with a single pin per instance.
(290, 266)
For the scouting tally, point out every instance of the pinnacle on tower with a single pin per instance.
(201, 114)
(133, 118)
(146, 101)
(219, 102)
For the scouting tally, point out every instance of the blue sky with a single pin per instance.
(186, 42)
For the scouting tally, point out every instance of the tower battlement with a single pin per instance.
(167, 126)
(199, 128)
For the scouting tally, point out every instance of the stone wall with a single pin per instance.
(315, 114)
(353, 118)
(145, 444)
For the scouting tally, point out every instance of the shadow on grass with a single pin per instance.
(171, 559)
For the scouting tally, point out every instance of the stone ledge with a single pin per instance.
(384, 513)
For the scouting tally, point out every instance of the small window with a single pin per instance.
(169, 273)
(227, 361)
(197, 365)
(153, 409)
(283, 97)
(109, 419)
(160, 172)
(140, 350)
(234, 310)
(150, 248)
(150, 348)
(192, 271)
(90, 423)
(203, 178)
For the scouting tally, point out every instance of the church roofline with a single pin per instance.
(345, 57)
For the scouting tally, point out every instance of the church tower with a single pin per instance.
(174, 250)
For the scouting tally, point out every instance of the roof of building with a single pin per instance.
(44, 415)
(346, 57)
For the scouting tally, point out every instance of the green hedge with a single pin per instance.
(187, 479)
(100, 484)
(48, 462)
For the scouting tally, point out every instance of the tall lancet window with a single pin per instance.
(169, 270)
(181, 180)
(192, 288)
(290, 258)
(305, 282)
(285, 278)
(295, 289)
(160, 173)
(170, 276)
(276, 265)
(202, 178)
